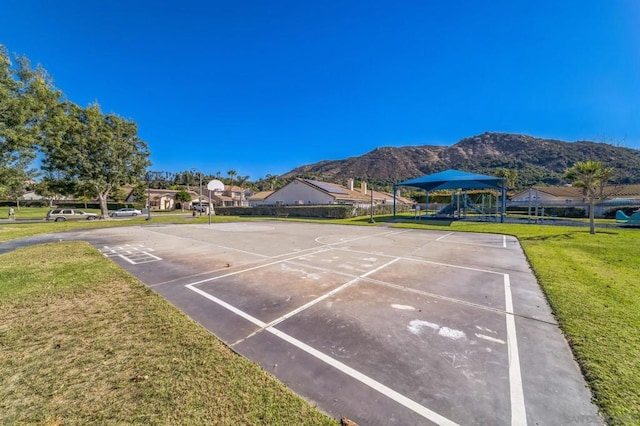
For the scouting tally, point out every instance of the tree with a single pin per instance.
(183, 197)
(25, 97)
(592, 177)
(241, 181)
(510, 176)
(231, 174)
(139, 193)
(95, 152)
(272, 180)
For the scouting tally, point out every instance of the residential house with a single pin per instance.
(571, 196)
(312, 192)
(259, 198)
(231, 196)
(165, 199)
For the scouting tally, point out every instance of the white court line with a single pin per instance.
(504, 241)
(373, 384)
(518, 412)
(127, 259)
(225, 305)
(315, 301)
(388, 392)
(319, 250)
(210, 244)
(413, 259)
(152, 255)
(444, 236)
(382, 234)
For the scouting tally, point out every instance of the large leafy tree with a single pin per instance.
(593, 178)
(94, 152)
(26, 95)
(183, 197)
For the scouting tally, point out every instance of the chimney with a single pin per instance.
(350, 184)
(363, 187)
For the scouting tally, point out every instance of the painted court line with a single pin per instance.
(444, 236)
(315, 301)
(373, 384)
(210, 244)
(518, 412)
(381, 234)
(253, 268)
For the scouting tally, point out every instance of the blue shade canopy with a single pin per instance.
(454, 179)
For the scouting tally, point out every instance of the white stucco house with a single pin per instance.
(301, 192)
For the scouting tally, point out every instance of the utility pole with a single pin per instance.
(371, 218)
(148, 196)
(200, 197)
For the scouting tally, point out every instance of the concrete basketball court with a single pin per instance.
(380, 325)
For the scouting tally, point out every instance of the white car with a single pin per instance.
(128, 211)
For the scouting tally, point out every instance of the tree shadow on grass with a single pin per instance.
(566, 235)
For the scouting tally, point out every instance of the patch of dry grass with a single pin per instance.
(100, 348)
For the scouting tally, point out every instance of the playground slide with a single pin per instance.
(622, 218)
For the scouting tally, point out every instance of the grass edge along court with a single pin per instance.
(83, 342)
(591, 284)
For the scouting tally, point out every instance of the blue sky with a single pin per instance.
(262, 87)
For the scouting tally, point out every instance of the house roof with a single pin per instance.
(259, 196)
(560, 191)
(340, 193)
(454, 179)
(612, 191)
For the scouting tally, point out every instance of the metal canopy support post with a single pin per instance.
(371, 218)
(426, 205)
(200, 196)
(394, 200)
(504, 203)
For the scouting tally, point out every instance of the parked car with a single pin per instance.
(201, 207)
(60, 215)
(127, 211)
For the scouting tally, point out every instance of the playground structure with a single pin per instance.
(624, 220)
(458, 182)
(482, 206)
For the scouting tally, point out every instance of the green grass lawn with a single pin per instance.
(591, 281)
(83, 342)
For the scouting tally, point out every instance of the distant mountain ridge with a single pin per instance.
(538, 161)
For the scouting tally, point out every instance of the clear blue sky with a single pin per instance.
(264, 86)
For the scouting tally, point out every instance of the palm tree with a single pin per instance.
(241, 181)
(231, 174)
(272, 180)
(592, 177)
(509, 175)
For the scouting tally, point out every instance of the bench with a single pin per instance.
(282, 214)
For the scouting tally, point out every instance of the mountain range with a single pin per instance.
(537, 161)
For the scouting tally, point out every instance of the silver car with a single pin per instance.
(127, 211)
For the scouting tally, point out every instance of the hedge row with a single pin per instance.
(330, 211)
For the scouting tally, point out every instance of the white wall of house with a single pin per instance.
(299, 193)
(543, 197)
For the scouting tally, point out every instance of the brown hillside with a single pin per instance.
(538, 161)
